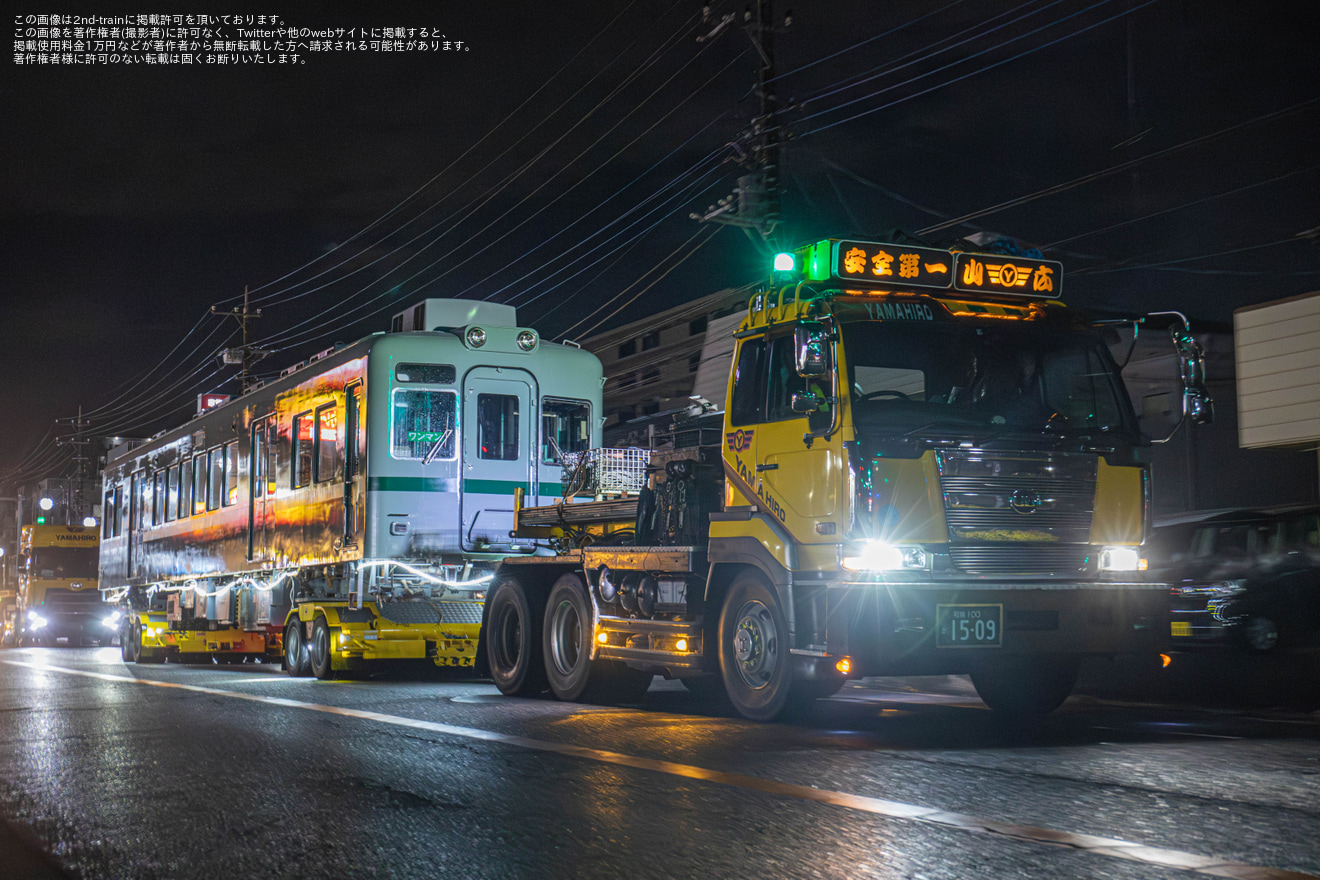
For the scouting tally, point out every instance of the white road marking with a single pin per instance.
(1106, 846)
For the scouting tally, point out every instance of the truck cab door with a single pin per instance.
(799, 483)
(499, 438)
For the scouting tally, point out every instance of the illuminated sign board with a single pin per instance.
(992, 273)
(872, 262)
(880, 263)
(207, 402)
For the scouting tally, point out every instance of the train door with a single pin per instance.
(499, 436)
(261, 491)
(133, 539)
(352, 459)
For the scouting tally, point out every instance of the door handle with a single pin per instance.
(766, 467)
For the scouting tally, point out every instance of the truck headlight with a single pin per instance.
(1122, 559)
(882, 556)
(35, 620)
(111, 622)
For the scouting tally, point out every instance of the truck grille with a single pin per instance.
(1018, 513)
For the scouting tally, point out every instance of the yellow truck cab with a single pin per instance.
(57, 587)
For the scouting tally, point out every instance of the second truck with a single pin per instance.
(927, 465)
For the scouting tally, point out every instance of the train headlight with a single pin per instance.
(476, 337)
(1121, 559)
(881, 556)
(527, 340)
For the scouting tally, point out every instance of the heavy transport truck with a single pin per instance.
(926, 464)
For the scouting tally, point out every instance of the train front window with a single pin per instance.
(421, 422)
(497, 427)
(565, 427)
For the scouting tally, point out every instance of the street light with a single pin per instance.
(46, 503)
(89, 522)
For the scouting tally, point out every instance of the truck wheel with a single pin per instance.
(1028, 687)
(296, 661)
(754, 649)
(566, 637)
(322, 659)
(126, 643)
(513, 640)
(141, 654)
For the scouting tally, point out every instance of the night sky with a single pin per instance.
(1166, 152)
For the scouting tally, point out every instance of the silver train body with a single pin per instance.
(379, 472)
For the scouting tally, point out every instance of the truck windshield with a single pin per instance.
(907, 376)
(63, 562)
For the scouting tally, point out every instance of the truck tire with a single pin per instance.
(753, 645)
(321, 657)
(141, 654)
(126, 643)
(566, 639)
(296, 661)
(513, 640)
(1026, 687)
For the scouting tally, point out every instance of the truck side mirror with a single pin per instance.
(1197, 404)
(811, 349)
(804, 403)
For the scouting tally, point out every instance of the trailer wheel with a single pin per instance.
(1026, 688)
(513, 640)
(296, 661)
(754, 659)
(322, 659)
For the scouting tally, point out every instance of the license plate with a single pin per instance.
(969, 626)
(1181, 628)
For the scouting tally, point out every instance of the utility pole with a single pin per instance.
(245, 355)
(755, 205)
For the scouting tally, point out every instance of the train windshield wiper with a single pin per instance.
(435, 449)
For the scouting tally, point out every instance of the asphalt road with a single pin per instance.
(240, 771)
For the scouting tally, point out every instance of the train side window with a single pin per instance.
(565, 427)
(216, 484)
(497, 427)
(327, 443)
(185, 488)
(171, 498)
(231, 474)
(158, 498)
(108, 515)
(748, 405)
(419, 420)
(199, 483)
(302, 450)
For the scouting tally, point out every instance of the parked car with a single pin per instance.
(1246, 579)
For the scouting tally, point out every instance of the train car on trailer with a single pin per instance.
(352, 510)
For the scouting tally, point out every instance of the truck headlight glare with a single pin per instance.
(880, 556)
(112, 621)
(35, 620)
(1121, 559)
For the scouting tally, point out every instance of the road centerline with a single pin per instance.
(1104, 846)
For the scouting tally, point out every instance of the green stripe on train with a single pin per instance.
(438, 484)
